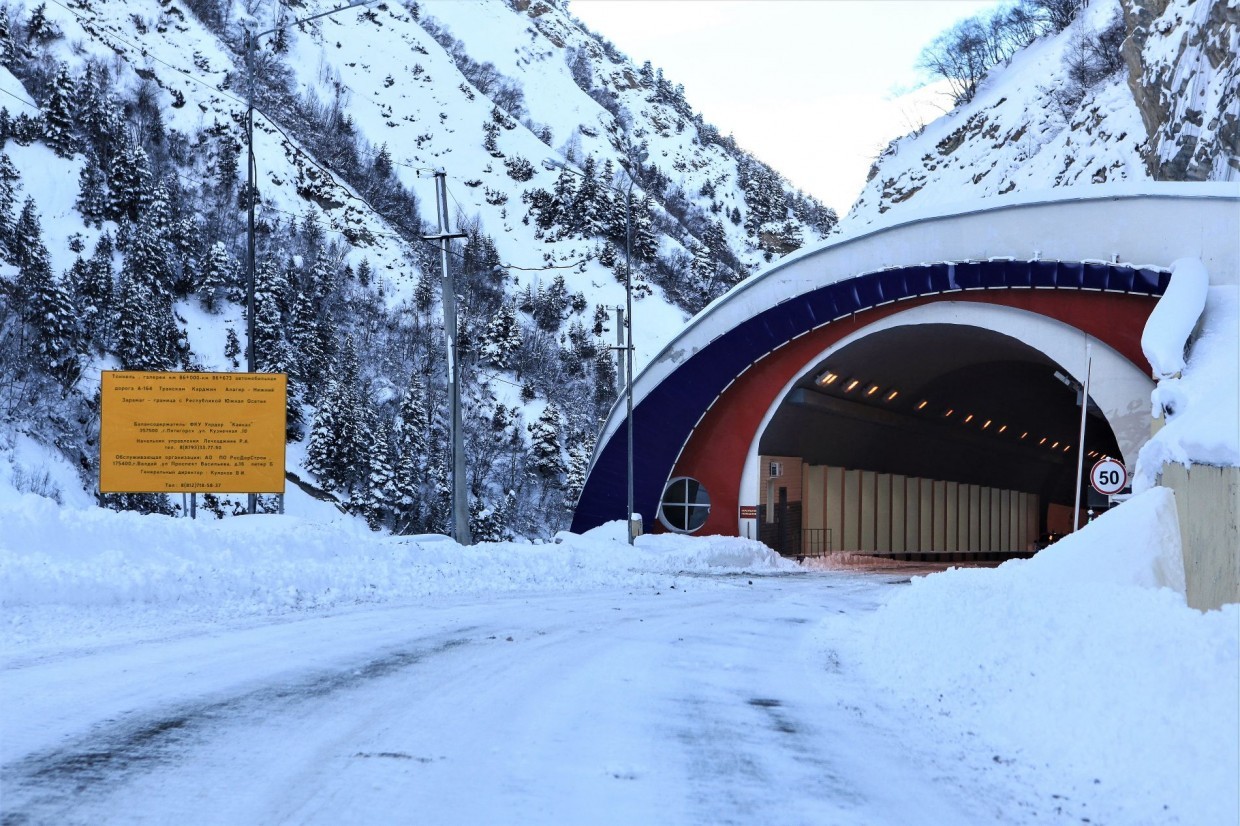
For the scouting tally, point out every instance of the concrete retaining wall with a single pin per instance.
(1207, 502)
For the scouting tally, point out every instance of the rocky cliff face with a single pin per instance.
(1183, 64)
(1170, 111)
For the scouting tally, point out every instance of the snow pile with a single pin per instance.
(1202, 406)
(59, 562)
(1174, 317)
(1083, 664)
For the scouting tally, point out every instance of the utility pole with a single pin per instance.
(251, 193)
(628, 362)
(460, 497)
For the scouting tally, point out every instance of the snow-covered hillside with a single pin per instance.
(1169, 111)
(384, 75)
(129, 119)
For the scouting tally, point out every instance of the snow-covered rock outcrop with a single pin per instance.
(1170, 112)
(1183, 63)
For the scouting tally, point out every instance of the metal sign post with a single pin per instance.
(1080, 458)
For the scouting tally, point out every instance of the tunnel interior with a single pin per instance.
(945, 402)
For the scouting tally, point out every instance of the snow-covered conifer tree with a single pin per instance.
(91, 286)
(503, 337)
(9, 176)
(378, 495)
(559, 212)
(439, 500)
(58, 113)
(44, 305)
(545, 450)
(129, 181)
(411, 435)
(270, 355)
(645, 244)
(589, 203)
(219, 278)
(578, 464)
(305, 329)
(339, 436)
(101, 122)
(93, 200)
(6, 41)
(486, 523)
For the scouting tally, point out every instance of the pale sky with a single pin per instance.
(815, 88)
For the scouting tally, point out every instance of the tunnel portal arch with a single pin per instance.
(700, 404)
(958, 392)
(719, 446)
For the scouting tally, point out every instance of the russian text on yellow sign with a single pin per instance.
(192, 432)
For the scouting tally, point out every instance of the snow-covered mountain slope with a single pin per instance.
(378, 71)
(1169, 112)
(549, 140)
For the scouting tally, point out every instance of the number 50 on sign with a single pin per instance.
(1108, 476)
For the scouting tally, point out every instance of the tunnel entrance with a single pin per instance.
(926, 439)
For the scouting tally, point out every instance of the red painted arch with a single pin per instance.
(717, 448)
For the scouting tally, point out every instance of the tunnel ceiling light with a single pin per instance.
(1002, 428)
(828, 378)
(872, 389)
(892, 396)
(968, 418)
(950, 411)
(922, 404)
(852, 385)
(1066, 448)
(1025, 434)
(1054, 445)
(1043, 441)
(986, 424)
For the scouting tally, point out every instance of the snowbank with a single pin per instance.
(61, 565)
(1202, 406)
(1083, 663)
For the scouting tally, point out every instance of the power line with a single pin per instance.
(21, 100)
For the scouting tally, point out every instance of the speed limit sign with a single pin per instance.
(1108, 476)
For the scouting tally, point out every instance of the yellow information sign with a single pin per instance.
(192, 432)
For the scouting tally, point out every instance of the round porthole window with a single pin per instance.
(685, 505)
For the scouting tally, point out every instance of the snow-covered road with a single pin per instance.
(700, 703)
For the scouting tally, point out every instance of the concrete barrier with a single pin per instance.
(1207, 502)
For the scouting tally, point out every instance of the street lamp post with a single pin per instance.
(550, 164)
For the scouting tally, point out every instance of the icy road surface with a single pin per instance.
(716, 701)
